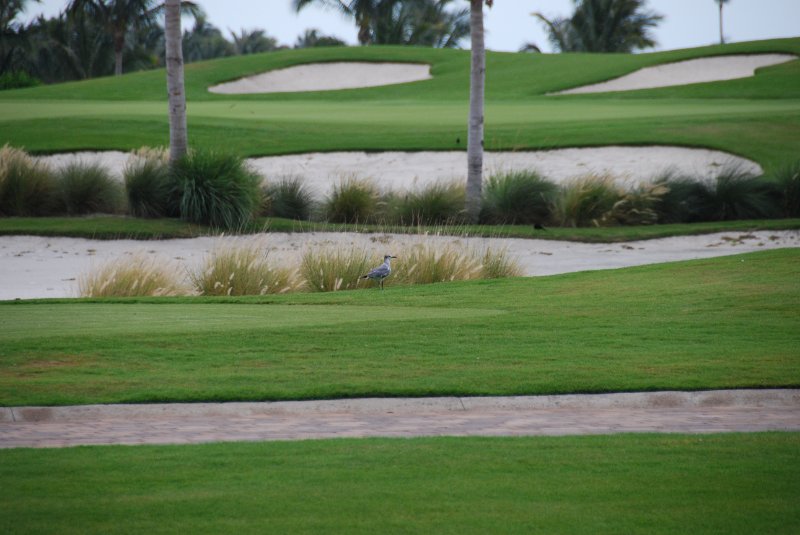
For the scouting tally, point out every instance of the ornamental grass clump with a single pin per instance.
(331, 269)
(427, 262)
(138, 275)
(687, 200)
(88, 188)
(583, 201)
(149, 187)
(498, 264)
(435, 204)
(787, 182)
(243, 269)
(27, 187)
(288, 198)
(738, 194)
(216, 189)
(352, 200)
(636, 207)
(518, 197)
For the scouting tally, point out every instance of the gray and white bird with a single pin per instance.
(381, 272)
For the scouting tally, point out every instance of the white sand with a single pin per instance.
(326, 77)
(692, 71)
(33, 267)
(408, 170)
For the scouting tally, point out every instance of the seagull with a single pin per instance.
(381, 272)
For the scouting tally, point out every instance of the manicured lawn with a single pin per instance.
(757, 117)
(610, 484)
(730, 322)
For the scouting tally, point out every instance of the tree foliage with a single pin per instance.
(603, 26)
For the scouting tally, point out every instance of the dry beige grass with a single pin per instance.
(134, 276)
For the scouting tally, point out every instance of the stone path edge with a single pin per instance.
(744, 398)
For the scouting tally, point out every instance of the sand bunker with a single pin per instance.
(686, 72)
(326, 77)
(408, 170)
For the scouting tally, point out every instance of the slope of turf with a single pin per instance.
(722, 323)
(757, 117)
(613, 484)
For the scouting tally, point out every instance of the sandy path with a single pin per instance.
(654, 412)
(35, 267)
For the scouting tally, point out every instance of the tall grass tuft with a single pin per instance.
(435, 204)
(352, 201)
(636, 207)
(149, 188)
(742, 195)
(498, 264)
(787, 181)
(135, 276)
(216, 189)
(518, 197)
(88, 188)
(288, 198)
(27, 187)
(243, 270)
(584, 200)
(332, 269)
(427, 262)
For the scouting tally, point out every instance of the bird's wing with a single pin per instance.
(380, 271)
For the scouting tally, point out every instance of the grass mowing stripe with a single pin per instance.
(729, 322)
(728, 483)
(27, 322)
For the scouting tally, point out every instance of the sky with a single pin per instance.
(687, 23)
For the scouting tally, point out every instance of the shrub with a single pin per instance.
(17, 79)
(332, 269)
(518, 197)
(584, 200)
(149, 188)
(435, 204)
(787, 182)
(497, 264)
(636, 207)
(216, 189)
(27, 187)
(352, 201)
(741, 195)
(243, 270)
(138, 275)
(88, 188)
(288, 198)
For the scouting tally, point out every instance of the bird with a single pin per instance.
(381, 272)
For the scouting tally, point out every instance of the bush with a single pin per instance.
(216, 189)
(85, 188)
(288, 198)
(583, 201)
(27, 187)
(741, 195)
(149, 188)
(332, 269)
(518, 197)
(787, 182)
(243, 270)
(433, 205)
(352, 201)
(17, 79)
(139, 275)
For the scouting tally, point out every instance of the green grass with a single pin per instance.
(729, 483)
(756, 117)
(730, 322)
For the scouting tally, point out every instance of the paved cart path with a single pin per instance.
(660, 412)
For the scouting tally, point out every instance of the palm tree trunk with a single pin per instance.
(177, 98)
(721, 38)
(475, 134)
(119, 45)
